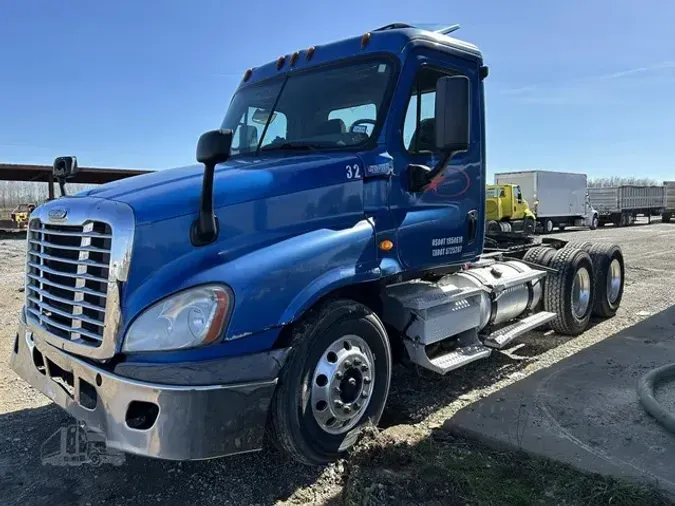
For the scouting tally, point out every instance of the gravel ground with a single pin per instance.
(418, 401)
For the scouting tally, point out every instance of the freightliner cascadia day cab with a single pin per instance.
(336, 224)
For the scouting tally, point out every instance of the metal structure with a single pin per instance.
(43, 173)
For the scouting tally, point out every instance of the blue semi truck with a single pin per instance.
(335, 225)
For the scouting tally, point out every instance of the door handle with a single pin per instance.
(471, 226)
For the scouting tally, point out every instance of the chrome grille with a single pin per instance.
(67, 272)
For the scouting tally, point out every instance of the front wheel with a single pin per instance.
(335, 381)
(529, 226)
(594, 223)
(548, 226)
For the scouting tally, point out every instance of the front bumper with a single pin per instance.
(155, 420)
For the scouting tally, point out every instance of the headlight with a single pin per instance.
(186, 319)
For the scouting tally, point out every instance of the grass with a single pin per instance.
(444, 470)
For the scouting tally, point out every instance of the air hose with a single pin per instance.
(645, 390)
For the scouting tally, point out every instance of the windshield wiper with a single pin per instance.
(292, 145)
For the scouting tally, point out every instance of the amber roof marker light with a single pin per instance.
(280, 62)
(294, 58)
(310, 53)
(365, 40)
(247, 74)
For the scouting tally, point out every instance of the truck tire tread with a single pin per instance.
(541, 255)
(582, 245)
(282, 428)
(602, 255)
(558, 291)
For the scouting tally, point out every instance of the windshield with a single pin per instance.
(324, 108)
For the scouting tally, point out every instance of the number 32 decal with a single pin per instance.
(353, 171)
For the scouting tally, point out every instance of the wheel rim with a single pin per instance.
(549, 226)
(581, 293)
(614, 281)
(342, 384)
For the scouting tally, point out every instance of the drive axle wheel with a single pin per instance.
(570, 293)
(541, 255)
(582, 245)
(609, 278)
(335, 381)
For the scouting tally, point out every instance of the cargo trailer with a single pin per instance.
(620, 205)
(668, 201)
(558, 199)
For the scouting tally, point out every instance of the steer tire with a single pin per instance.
(292, 423)
(603, 255)
(558, 289)
(582, 245)
(529, 226)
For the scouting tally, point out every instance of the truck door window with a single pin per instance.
(518, 195)
(419, 126)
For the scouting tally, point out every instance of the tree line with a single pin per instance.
(13, 193)
(600, 182)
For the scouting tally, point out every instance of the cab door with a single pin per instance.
(443, 223)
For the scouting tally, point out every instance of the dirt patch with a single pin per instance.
(407, 465)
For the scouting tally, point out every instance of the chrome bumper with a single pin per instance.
(162, 421)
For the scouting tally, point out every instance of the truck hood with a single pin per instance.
(176, 192)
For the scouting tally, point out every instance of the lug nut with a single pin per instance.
(346, 409)
(357, 405)
(339, 375)
(357, 362)
(338, 403)
(364, 394)
(336, 390)
(364, 367)
(366, 380)
(348, 363)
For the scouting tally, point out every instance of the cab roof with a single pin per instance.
(393, 39)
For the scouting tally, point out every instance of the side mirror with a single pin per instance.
(214, 147)
(452, 114)
(64, 167)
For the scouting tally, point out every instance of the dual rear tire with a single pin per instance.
(589, 282)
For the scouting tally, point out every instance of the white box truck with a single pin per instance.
(620, 205)
(668, 201)
(558, 199)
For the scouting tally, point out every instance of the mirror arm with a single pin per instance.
(205, 228)
(62, 186)
(441, 165)
(417, 181)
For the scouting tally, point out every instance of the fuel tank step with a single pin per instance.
(500, 338)
(469, 349)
